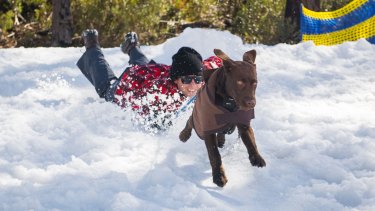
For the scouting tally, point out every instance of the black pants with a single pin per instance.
(97, 70)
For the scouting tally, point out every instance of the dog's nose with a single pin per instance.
(250, 103)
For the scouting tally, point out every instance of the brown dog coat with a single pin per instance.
(211, 118)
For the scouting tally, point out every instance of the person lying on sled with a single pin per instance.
(155, 91)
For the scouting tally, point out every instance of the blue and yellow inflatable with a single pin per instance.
(354, 21)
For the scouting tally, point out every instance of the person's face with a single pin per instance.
(189, 85)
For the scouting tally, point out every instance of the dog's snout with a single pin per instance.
(250, 103)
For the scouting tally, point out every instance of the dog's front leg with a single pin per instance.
(248, 138)
(218, 172)
(186, 132)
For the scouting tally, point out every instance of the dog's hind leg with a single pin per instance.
(220, 138)
(248, 138)
(186, 132)
(218, 173)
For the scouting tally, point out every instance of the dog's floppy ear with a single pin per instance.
(221, 55)
(250, 56)
(226, 60)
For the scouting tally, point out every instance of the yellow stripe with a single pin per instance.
(365, 29)
(334, 14)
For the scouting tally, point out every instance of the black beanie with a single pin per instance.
(186, 61)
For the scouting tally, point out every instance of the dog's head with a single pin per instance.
(240, 80)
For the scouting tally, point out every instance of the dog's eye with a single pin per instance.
(240, 83)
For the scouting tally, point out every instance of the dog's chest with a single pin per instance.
(229, 104)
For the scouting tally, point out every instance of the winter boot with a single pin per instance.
(130, 41)
(109, 95)
(90, 38)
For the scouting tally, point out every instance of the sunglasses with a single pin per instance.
(189, 78)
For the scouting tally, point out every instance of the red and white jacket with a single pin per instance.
(149, 91)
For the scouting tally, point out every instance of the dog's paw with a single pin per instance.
(257, 160)
(219, 177)
(185, 135)
(220, 140)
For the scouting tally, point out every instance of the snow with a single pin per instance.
(63, 148)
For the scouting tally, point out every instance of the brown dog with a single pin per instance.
(227, 100)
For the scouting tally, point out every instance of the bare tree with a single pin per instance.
(62, 23)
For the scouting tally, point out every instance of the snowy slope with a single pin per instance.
(63, 148)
